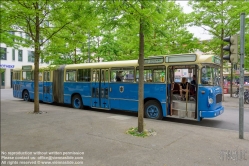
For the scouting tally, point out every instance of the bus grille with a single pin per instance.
(218, 98)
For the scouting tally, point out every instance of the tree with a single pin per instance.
(71, 43)
(170, 36)
(138, 17)
(34, 19)
(220, 19)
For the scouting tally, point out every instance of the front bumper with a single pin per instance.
(212, 114)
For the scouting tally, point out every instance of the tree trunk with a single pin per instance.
(141, 78)
(37, 57)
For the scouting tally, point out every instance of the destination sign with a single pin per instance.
(153, 61)
(29, 67)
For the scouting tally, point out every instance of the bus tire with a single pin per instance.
(77, 102)
(25, 96)
(153, 110)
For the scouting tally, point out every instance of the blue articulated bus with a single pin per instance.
(114, 86)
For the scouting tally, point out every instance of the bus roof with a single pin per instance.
(209, 59)
(192, 58)
(125, 63)
(32, 67)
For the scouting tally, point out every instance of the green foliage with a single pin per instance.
(49, 68)
(2, 70)
(234, 77)
(134, 132)
(219, 18)
(113, 30)
(165, 30)
(70, 45)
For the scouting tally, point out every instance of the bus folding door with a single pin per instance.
(47, 87)
(100, 88)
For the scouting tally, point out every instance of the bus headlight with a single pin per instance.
(210, 101)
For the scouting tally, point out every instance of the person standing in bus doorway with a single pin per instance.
(183, 88)
(193, 82)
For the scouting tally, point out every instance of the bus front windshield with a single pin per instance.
(210, 75)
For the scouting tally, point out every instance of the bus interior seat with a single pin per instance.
(176, 89)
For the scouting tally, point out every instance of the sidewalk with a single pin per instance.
(232, 102)
(101, 136)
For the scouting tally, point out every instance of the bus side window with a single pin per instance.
(27, 75)
(125, 74)
(105, 76)
(95, 76)
(84, 75)
(116, 76)
(119, 76)
(71, 75)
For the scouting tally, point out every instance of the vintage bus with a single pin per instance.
(114, 86)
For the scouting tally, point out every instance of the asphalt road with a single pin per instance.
(228, 120)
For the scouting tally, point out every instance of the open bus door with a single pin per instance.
(182, 102)
(100, 88)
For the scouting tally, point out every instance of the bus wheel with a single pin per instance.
(152, 110)
(77, 102)
(25, 96)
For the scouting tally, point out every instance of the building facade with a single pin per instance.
(11, 58)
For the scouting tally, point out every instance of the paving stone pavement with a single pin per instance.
(100, 138)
